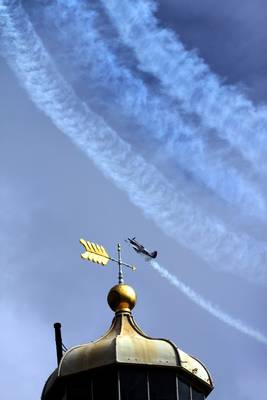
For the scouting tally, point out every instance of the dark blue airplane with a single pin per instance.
(139, 248)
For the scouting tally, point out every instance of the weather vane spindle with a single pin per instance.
(120, 265)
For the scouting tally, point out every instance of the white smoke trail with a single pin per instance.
(186, 77)
(206, 305)
(185, 142)
(146, 187)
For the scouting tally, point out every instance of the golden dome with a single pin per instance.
(125, 343)
(121, 298)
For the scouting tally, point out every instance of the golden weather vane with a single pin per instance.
(98, 254)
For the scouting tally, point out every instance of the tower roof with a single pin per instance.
(126, 343)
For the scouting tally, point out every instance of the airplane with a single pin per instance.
(139, 248)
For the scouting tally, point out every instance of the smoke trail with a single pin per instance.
(185, 76)
(146, 187)
(76, 27)
(206, 305)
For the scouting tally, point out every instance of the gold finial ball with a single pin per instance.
(121, 298)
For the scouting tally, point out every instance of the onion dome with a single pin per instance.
(126, 344)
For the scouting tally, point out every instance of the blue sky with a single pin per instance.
(52, 194)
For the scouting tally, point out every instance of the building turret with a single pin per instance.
(126, 364)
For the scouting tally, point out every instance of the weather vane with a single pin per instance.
(98, 254)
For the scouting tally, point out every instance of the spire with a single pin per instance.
(125, 349)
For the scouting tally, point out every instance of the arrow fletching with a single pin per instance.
(94, 252)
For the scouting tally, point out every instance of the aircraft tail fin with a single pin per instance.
(154, 254)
